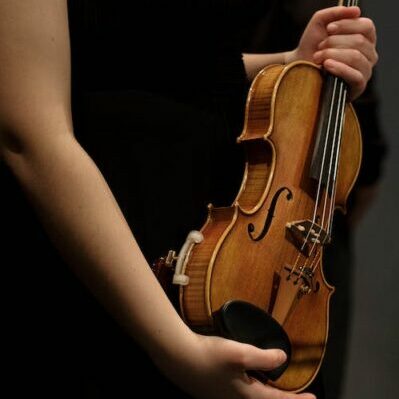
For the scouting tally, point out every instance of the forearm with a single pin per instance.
(69, 193)
(84, 222)
(254, 63)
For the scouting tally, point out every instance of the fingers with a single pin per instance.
(226, 376)
(259, 359)
(353, 77)
(357, 41)
(349, 51)
(261, 391)
(353, 58)
(274, 393)
(328, 15)
(356, 31)
(349, 64)
(364, 26)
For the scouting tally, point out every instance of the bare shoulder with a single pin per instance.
(35, 65)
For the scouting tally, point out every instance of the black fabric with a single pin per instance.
(158, 102)
(158, 93)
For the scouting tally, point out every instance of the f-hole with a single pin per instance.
(270, 214)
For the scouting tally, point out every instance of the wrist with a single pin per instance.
(291, 56)
(179, 358)
(164, 353)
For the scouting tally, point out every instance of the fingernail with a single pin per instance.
(331, 28)
(282, 357)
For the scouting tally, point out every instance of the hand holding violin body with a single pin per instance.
(213, 368)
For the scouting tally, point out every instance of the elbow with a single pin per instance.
(9, 143)
(32, 139)
(14, 146)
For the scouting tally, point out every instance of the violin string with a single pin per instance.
(333, 159)
(332, 163)
(336, 162)
(332, 200)
(330, 114)
(331, 183)
(351, 3)
(315, 263)
(319, 185)
(335, 178)
(340, 130)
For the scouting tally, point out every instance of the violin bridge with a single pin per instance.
(305, 234)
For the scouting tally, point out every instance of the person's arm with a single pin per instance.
(67, 190)
(337, 38)
(81, 215)
(255, 62)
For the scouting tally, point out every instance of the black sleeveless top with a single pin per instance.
(158, 93)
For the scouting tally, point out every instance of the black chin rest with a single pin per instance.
(243, 322)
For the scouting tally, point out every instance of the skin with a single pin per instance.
(337, 38)
(81, 215)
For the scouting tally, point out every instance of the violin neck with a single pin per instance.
(325, 159)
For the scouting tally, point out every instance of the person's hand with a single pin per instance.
(214, 368)
(343, 42)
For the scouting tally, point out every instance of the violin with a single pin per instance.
(254, 271)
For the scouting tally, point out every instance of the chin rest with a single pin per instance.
(243, 322)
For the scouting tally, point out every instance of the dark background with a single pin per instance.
(373, 370)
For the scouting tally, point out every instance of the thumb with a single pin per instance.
(262, 359)
(327, 15)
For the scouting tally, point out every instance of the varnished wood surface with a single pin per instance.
(279, 136)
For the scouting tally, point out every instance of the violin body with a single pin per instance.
(255, 250)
